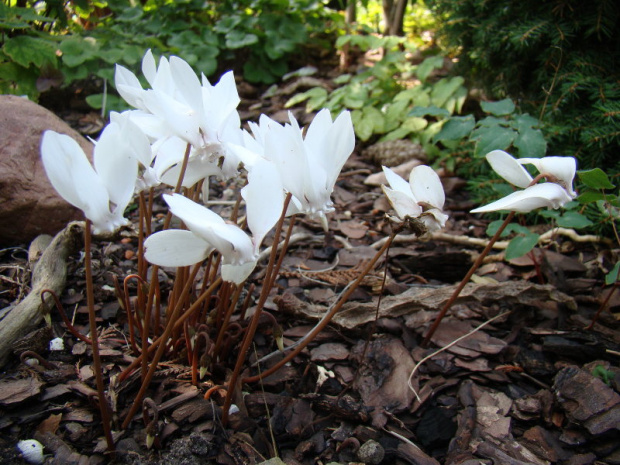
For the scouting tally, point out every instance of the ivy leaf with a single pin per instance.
(502, 108)
(456, 128)
(427, 66)
(76, 51)
(521, 245)
(612, 276)
(595, 179)
(444, 88)
(492, 138)
(531, 143)
(25, 50)
(239, 39)
(429, 111)
(573, 219)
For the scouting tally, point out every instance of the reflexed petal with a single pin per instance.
(187, 83)
(403, 204)
(398, 184)
(71, 174)
(540, 195)
(149, 68)
(264, 198)
(116, 165)
(562, 168)
(195, 216)
(509, 168)
(426, 186)
(175, 247)
(128, 86)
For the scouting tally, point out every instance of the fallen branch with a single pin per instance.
(50, 272)
(500, 245)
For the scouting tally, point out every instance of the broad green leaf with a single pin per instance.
(427, 66)
(415, 124)
(356, 97)
(363, 127)
(595, 179)
(444, 88)
(430, 111)
(396, 134)
(395, 113)
(526, 121)
(501, 108)
(509, 229)
(612, 276)
(531, 143)
(521, 245)
(342, 79)
(590, 196)
(455, 102)
(76, 51)
(298, 98)
(456, 128)
(496, 138)
(27, 50)
(573, 219)
(238, 39)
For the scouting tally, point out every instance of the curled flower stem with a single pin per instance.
(465, 280)
(90, 300)
(64, 317)
(161, 343)
(270, 276)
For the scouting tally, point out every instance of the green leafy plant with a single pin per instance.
(383, 95)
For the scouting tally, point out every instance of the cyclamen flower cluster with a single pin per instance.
(146, 146)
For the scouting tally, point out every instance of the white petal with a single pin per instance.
(562, 168)
(128, 86)
(71, 174)
(149, 68)
(434, 219)
(116, 165)
(186, 82)
(264, 199)
(547, 194)
(403, 204)
(426, 186)
(398, 184)
(175, 247)
(509, 168)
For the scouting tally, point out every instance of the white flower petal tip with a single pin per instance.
(549, 195)
(509, 168)
(102, 196)
(31, 450)
(175, 248)
(421, 198)
(555, 193)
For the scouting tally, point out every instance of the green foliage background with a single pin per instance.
(559, 59)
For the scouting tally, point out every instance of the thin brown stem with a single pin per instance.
(465, 280)
(63, 315)
(249, 335)
(90, 300)
(170, 325)
(327, 318)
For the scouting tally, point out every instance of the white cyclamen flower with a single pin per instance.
(101, 193)
(209, 231)
(557, 191)
(182, 105)
(422, 197)
(308, 164)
